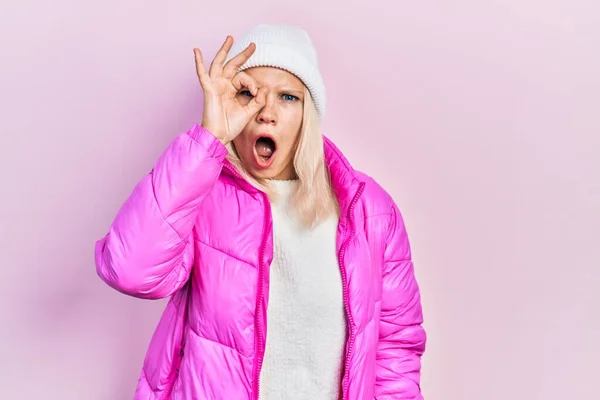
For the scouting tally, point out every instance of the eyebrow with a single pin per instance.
(293, 91)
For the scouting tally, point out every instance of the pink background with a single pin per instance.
(482, 118)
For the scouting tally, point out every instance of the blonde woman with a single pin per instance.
(289, 272)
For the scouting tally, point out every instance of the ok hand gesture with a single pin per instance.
(224, 116)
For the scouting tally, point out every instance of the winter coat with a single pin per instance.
(194, 230)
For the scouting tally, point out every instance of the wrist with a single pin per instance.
(224, 142)
(220, 137)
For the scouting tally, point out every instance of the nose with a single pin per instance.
(268, 114)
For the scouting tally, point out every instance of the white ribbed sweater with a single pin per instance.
(306, 323)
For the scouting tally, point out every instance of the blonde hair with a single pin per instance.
(313, 200)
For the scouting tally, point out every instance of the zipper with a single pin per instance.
(260, 345)
(167, 393)
(260, 297)
(346, 295)
(177, 363)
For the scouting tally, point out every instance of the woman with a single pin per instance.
(289, 272)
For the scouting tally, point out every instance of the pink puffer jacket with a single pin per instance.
(193, 229)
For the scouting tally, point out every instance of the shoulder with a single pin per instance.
(383, 217)
(376, 201)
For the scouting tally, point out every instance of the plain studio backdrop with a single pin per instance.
(482, 118)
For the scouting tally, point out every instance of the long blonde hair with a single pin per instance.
(313, 200)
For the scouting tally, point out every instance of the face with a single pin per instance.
(267, 144)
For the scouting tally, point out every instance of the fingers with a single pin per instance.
(258, 102)
(201, 70)
(232, 66)
(243, 80)
(216, 67)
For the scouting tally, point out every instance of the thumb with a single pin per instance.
(258, 101)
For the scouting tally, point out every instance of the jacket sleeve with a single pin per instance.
(148, 251)
(401, 335)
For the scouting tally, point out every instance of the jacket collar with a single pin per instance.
(345, 180)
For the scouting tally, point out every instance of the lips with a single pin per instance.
(264, 150)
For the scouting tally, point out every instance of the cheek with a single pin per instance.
(288, 145)
(293, 124)
(298, 116)
(242, 146)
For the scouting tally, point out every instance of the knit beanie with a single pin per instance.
(289, 48)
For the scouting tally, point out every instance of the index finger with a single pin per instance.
(220, 57)
(243, 80)
(232, 66)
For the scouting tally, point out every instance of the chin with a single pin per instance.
(262, 174)
(272, 171)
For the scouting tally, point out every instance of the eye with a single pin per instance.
(245, 92)
(289, 97)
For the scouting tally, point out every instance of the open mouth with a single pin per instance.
(265, 148)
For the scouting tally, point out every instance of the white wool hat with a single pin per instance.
(289, 48)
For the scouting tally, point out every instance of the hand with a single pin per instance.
(224, 116)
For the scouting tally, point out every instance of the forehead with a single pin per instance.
(275, 77)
